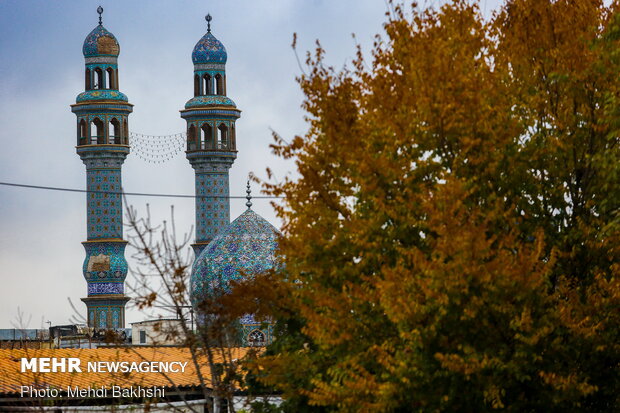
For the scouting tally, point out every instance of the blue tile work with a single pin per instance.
(105, 288)
(209, 100)
(97, 43)
(224, 251)
(211, 162)
(105, 266)
(209, 50)
(105, 213)
(104, 94)
(250, 326)
(212, 207)
(106, 314)
(103, 319)
(105, 262)
(247, 246)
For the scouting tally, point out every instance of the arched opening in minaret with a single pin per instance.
(82, 133)
(87, 79)
(191, 138)
(233, 137)
(206, 140)
(115, 131)
(96, 126)
(219, 84)
(222, 138)
(196, 85)
(208, 90)
(125, 132)
(99, 79)
(111, 81)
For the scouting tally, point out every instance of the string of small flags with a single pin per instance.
(157, 149)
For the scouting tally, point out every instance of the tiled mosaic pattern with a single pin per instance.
(101, 94)
(94, 45)
(106, 315)
(105, 211)
(212, 205)
(105, 267)
(256, 335)
(105, 288)
(209, 100)
(112, 268)
(247, 246)
(209, 50)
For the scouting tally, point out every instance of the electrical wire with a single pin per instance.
(53, 188)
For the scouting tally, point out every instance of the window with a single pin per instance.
(96, 126)
(82, 133)
(142, 337)
(99, 79)
(196, 85)
(219, 84)
(191, 138)
(115, 131)
(222, 141)
(87, 79)
(111, 84)
(207, 137)
(207, 85)
(257, 339)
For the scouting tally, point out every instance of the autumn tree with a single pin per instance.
(451, 242)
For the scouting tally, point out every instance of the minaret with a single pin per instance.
(211, 143)
(102, 144)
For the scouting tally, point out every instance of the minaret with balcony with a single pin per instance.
(211, 138)
(103, 144)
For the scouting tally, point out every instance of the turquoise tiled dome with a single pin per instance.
(100, 42)
(246, 247)
(209, 50)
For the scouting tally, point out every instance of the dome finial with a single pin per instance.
(208, 18)
(100, 11)
(249, 196)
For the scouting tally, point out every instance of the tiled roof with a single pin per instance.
(11, 378)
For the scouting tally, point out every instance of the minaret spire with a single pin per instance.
(100, 11)
(208, 18)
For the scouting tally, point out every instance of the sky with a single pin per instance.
(42, 71)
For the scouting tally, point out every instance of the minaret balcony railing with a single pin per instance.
(97, 139)
(100, 140)
(209, 147)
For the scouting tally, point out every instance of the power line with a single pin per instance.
(52, 188)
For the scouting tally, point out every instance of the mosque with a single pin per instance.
(224, 251)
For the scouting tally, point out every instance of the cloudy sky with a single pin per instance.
(41, 73)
